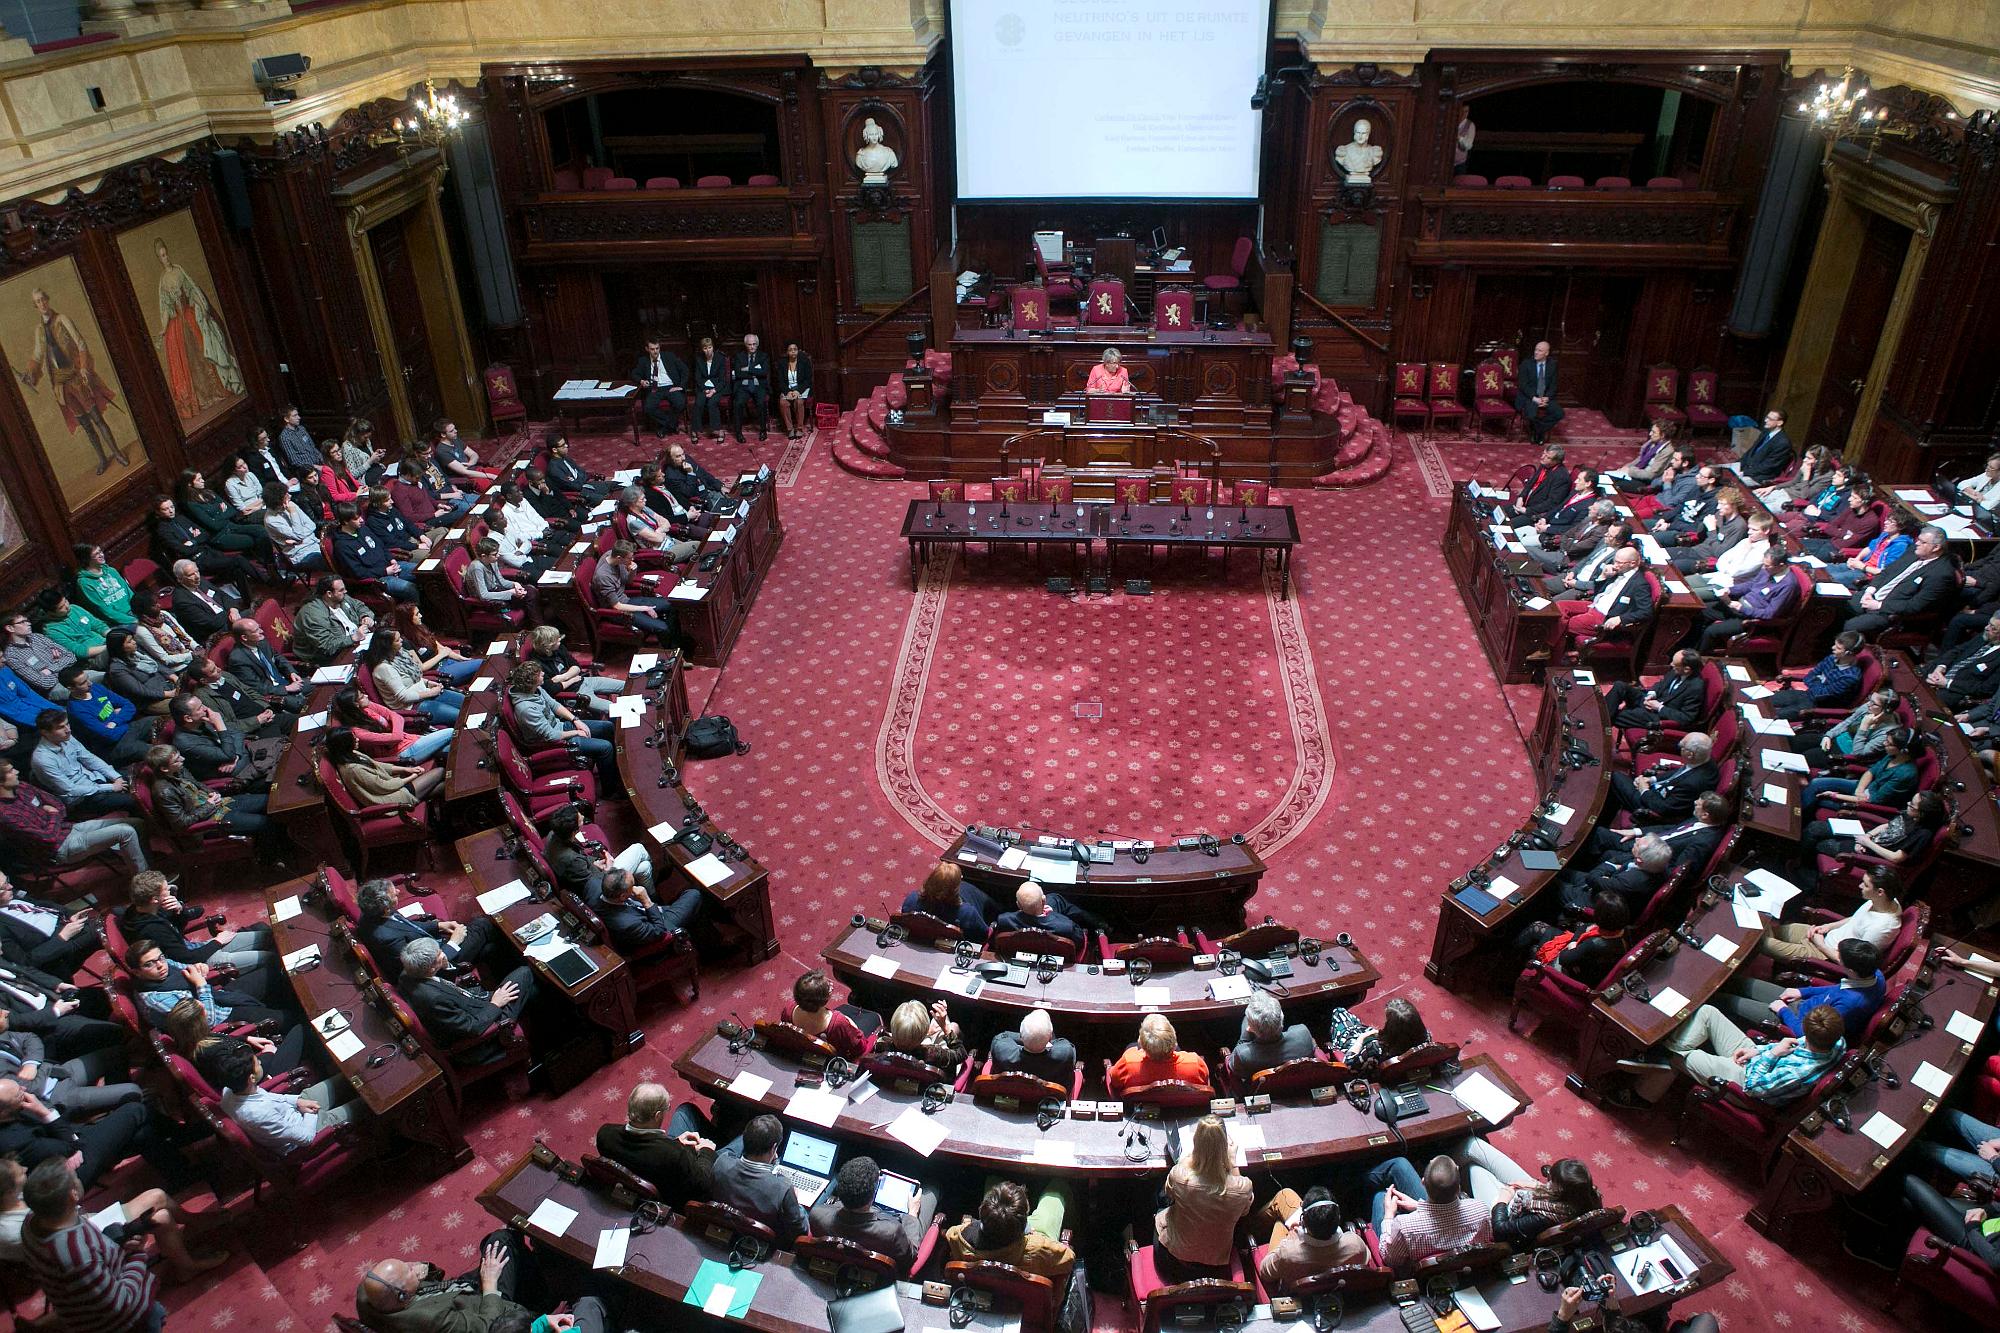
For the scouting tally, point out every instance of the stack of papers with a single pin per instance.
(708, 870)
(1777, 891)
(1485, 1098)
(500, 899)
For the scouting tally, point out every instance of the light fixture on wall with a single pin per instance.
(1848, 108)
(435, 118)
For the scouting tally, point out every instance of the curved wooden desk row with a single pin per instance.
(1085, 997)
(1174, 886)
(987, 1138)
(1573, 719)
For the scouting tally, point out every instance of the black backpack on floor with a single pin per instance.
(713, 737)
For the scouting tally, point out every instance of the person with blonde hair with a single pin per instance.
(563, 674)
(928, 1035)
(1109, 374)
(1156, 1057)
(1206, 1197)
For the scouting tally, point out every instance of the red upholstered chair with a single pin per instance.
(927, 929)
(1300, 1075)
(947, 491)
(565, 180)
(1055, 490)
(1442, 397)
(852, 1267)
(1470, 181)
(663, 182)
(1239, 264)
(1029, 305)
(1171, 1095)
(339, 890)
(594, 177)
(791, 1041)
(1913, 927)
(540, 757)
(511, 1065)
(1026, 1089)
(1173, 310)
(605, 626)
(712, 182)
(1727, 1114)
(1189, 491)
(1007, 943)
(1703, 390)
(1175, 950)
(1770, 641)
(1058, 279)
(1666, 736)
(369, 828)
(1011, 490)
(1464, 1259)
(1410, 402)
(1666, 183)
(1510, 366)
(503, 397)
(1613, 183)
(1107, 407)
(1542, 990)
(1513, 183)
(1132, 490)
(301, 1172)
(206, 845)
(1565, 182)
(1160, 1301)
(1249, 492)
(892, 1068)
(1617, 651)
(1663, 386)
(621, 183)
(1104, 303)
(1491, 400)
(541, 794)
(1259, 941)
(762, 178)
(1952, 1275)
(669, 961)
(1036, 1297)
(475, 616)
(1418, 1059)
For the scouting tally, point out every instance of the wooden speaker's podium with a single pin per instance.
(1115, 432)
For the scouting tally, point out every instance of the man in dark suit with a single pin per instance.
(202, 607)
(1968, 674)
(709, 378)
(1766, 460)
(688, 481)
(1920, 581)
(848, 1210)
(452, 1013)
(265, 671)
(42, 936)
(1265, 1042)
(1692, 840)
(1632, 881)
(212, 750)
(750, 388)
(633, 920)
(32, 1133)
(1035, 908)
(1035, 1050)
(1535, 394)
(746, 1177)
(387, 931)
(1618, 597)
(675, 1159)
(1547, 488)
(567, 477)
(1671, 795)
(662, 379)
(1679, 697)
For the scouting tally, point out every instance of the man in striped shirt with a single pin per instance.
(1717, 1051)
(92, 1285)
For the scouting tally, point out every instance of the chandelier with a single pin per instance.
(1842, 109)
(435, 118)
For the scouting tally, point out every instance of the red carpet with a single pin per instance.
(1423, 770)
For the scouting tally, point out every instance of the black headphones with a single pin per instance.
(937, 1096)
(838, 1070)
(1141, 855)
(1048, 1113)
(1309, 950)
(1138, 969)
(746, 1252)
(1548, 1266)
(1327, 1312)
(963, 953)
(890, 936)
(960, 1307)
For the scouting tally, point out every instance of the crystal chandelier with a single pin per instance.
(1842, 109)
(436, 118)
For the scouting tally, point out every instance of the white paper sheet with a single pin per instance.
(687, 592)
(110, 1215)
(749, 1086)
(1537, 603)
(1502, 887)
(1831, 589)
(1755, 692)
(920, 1132)
(1963, 1026)
(1485, 1098)
(1911, 493)
(816, 1105)
(1583, 677)
(708, 870)
(1777, 794)
(1931, 1079)
(1668, 1001)
(343, 1047)
(1720, 947)
(643, 662)
(876, 965)
(720, 1297)
(1013, 858)
(1229, 988)
(297, 956)
(413, 910)
(664, 830)
(330, 1023)
(551, 1217)
(473, 721)
(1048, 870)
(1846, 828)
(1780, 761)
(1882, 1129)
(1054, 1152)
(287, 907)
(1747, 917)
(1561, 813)
(555, 576)
(333, 675)
(480, 684)
(1738, 673)
(1155, 996)
(312, 721)
(611, 1245)
(500, 899)
(497, 647)
(1475, 1309)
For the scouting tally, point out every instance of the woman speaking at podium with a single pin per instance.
(1108, 375)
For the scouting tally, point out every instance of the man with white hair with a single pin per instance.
(1035, 908)
(1266, 1042)
(203, 608)
(452, 1013)
(1035, 1050)
(1660, 796)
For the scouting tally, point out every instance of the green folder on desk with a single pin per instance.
(719, 1291)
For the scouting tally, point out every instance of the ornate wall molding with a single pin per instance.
(33, 231)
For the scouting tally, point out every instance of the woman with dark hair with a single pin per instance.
(372, 782)
(812, 1011)
(163, 638)
(793, 384)
(358, 448)
(1887, 781)
(431, 652)
(130, 672)
(339, 483)
(946, 896)
(1527, 1208)
(226, 530)
(1899, 841)
(382, 731)
(1364, 1047)
(293, 526)
(244, 490)
(400, 681)
(187, 1024)
(99, 586)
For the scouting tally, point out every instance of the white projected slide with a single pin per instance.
(1107, 99)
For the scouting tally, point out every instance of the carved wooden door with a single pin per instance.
(408, 327)
(1884, 245)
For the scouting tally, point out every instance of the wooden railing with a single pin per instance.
(1300, 293)
(886, 315)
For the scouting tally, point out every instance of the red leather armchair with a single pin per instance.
(543, 793)
(1727, 1114)
(472, 614)
(368, 828)
(1159, 1301)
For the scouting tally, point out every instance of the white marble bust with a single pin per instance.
(875, 158)
(1359, 158)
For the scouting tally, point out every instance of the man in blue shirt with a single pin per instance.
(1832, 683)
(1855, 996)
(99, 717)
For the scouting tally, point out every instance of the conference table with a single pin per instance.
(1974, 856)
(399, 1084)
(1098, 1012)
(1198, 881)
(296, 800)
(1480, 911)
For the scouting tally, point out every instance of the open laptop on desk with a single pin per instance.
(807, 1162)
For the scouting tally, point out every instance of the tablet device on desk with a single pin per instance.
(897, 1193)
(1534, 859)
(1479, 900)
(571, 966)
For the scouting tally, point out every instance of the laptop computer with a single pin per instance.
(807, 1162)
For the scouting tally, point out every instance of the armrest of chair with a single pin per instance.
(507, 1034)
(927, 1246)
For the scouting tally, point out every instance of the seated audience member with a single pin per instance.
(294, 533)
(1035, 908)
(566, 476)
(558, 511)
(1155, 1058)
(1266, 1041)
(1193, 1236)
(244, 490)
(1715, 1050)
(32, 1132)
(1582, 504)
(188, 1027)
(386, 524)
(1856, 996)
(400, 682)
(1589, 566)
(1952, 1221)
(648, 531)
(848, 1210)
(1692, 841)
(432, 653)
(1859, 737)
(100, 586)
(1589, 954)
(1620, 599)
(1679, 698)
(563, 674)
(1818, 471)
(330, 623)
(1891, 544)
(1923, 581)
(946, 896)
(340, 483)
(746, 1176)
(1365, 1048)
(667, 1151)
(162, 638)
(70, 1086)
(1306, 1237)
(1969, 673)
(373, 781)
(580, 864)
(525, 520)
(264, 671)
(1978, 599)
(180, 803)
(611, 586)
(454, 1013)
(1717, 533)
(812, 1012)
(459, 460)
(359, 555)
(32, 655)
(385, 931)
(1831, 683)
(1692, 518)
(39, 934)
(1743, 559)
(519, 556)
(134, 674)
(103, 719)
(1660, 796)
(159, 983)
(1035, 1050)
(213, 751)
(1875, 922)
(1546, 489)
(542, 722)
(153, 912)
(34, 826)
(203, 609)
(1562, 547)
(1856, 524)
(176, 536)
(1767, 593)
(927, 1034)
(1899, 841)
(1005, 1231)
(1415, 1229)
(92, 1282)
(1655, 452)
(240, 708)
(633, 920)
(1890, 780)
(278, 1122)
(72, 625)
(1631, 874)
(401, 1296)
(1526, 1208)
(156, 1211)
(691, 483)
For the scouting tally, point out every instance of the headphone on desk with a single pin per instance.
(1048, 1113)
(937, 1096)
(1327, 1312)
(746, 1252)
(838, 1070)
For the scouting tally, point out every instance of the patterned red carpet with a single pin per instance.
(1357, 730)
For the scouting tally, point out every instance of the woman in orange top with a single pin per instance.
(1157, 1056)
(1108, 375)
